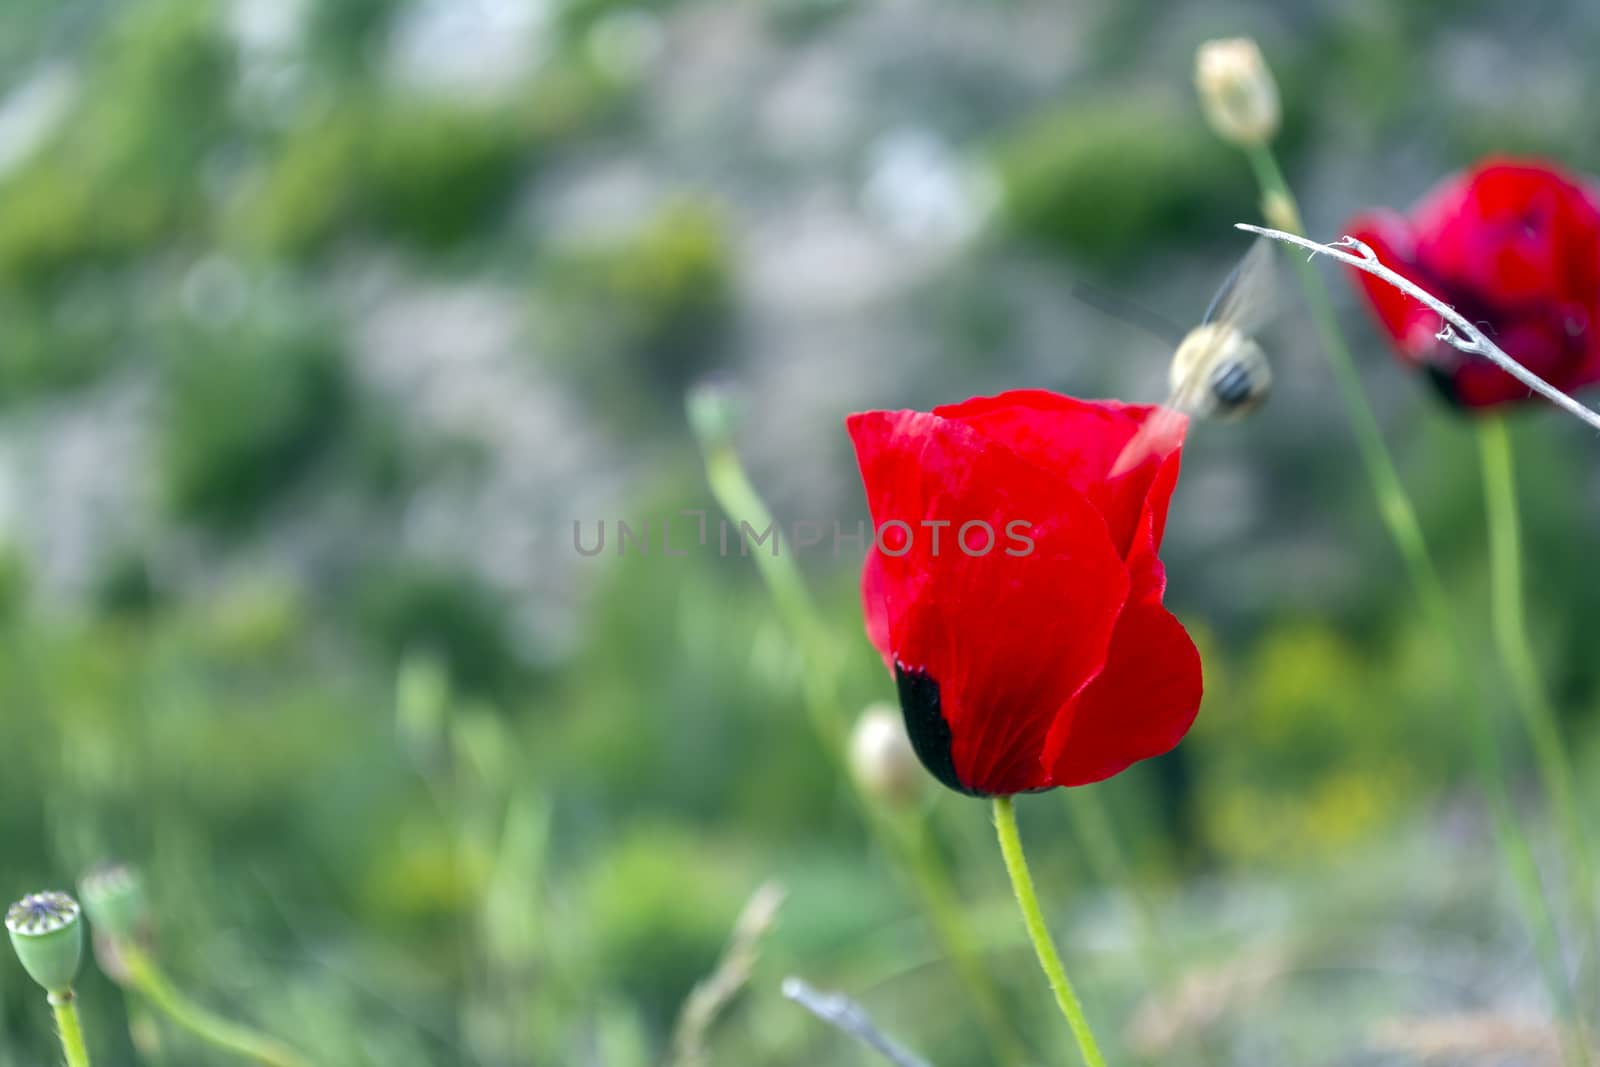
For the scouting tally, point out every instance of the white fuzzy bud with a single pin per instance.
(1237, 91)
(882, 760)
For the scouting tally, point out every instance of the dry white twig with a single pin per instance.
(842, 1013)
(1455, 330)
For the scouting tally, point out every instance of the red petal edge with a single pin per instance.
(1140, 706)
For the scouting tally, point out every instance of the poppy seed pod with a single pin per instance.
(1237, 91)
(882, 761)
(114, 897)
(713, 412)
(47, 933)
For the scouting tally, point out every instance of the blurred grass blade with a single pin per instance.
(712, 995)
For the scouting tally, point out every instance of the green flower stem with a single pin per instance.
(739, 499)
(912, 850)
(1511, 636)
(1005, 825)
(65, 1005)
(148, 980)
(1400, 518)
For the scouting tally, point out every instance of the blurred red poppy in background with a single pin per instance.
(1015, 590)
(1514, 245)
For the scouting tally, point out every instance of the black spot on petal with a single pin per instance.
(926, 726)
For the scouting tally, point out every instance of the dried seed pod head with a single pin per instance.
(47, 933)
(1237, 91)
(882, 760)
(114, 897)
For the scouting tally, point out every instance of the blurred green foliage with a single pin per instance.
(1151, 172)
(348, 35)
(124, 171)
(639, 317)
(411, 605)
(247, 411)
(1301, 753)
(438, 171)
(659, 903)
(50, 345)
(425, 171)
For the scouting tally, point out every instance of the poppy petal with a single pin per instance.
(1140, 706)
(875, 605)
(1147, 575)
(1495, 230)
(1082, 441)
(1409, 322)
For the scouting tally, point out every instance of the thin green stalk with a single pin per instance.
(69, 1029)
(1005, 825)
(916, 860)
(147, 979)
(1516, 649)
(1400, 518)
(739, 499)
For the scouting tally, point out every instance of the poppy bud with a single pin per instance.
(882, 760)
(1237, 91)
(113, 895)
(713, 412)
(47, 934)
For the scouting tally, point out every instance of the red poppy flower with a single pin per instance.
(1515, 247)
(1015, 591)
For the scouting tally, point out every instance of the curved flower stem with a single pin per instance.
(1511, 636)
(147, 979)
(1005, 824)
(910, 849)
(739, 499)
(1400, 517)
(73, 1050)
